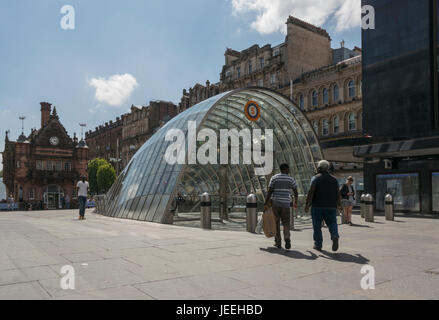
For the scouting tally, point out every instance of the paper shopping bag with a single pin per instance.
(269, 223)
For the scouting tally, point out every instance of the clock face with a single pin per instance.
(54, 141)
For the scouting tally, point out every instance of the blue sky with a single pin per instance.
(164, 46)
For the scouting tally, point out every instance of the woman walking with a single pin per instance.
(348, 199)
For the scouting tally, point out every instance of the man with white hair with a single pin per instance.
(324, 198)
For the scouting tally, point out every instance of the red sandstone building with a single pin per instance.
(118, 141)
(46, 164)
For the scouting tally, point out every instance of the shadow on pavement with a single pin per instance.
(291, 253)
(360, 226)
(345, 257)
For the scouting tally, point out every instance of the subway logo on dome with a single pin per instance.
(252, 111)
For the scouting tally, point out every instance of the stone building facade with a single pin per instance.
(118, 141)
(324, 82)
(106, 143)
(46, 165)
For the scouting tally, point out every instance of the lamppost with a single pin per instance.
(83, 125)
(22, 118)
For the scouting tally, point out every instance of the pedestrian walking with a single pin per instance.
(324, 199)
(279, 192)
(67, 201)
(82, 196)
(347, 192)
(11, 202)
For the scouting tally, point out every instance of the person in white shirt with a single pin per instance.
(82, 196)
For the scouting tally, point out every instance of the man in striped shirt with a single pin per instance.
(279, 190)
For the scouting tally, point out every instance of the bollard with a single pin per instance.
(206, 214)
(388, 200)
(252, 213)
(368, 212)
(362, 205)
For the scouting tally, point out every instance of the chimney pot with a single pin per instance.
(46, 109)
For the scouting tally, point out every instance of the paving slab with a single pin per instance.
(126, 259)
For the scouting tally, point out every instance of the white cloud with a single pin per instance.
(114, 90)
(271, 15)
(97, 108)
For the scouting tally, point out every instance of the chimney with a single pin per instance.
(45, 113)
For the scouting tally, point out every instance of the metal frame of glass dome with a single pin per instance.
(148, 185)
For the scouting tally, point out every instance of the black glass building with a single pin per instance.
(400, 104)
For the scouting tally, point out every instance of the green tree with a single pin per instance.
(93, 167)
(106, 176)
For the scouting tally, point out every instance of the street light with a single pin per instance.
(83, 125)
(22, 118)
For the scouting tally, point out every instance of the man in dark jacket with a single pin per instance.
(324, 198)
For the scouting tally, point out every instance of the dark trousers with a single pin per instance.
(329, 215)
(282, 214)
(82, 202)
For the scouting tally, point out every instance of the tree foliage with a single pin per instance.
(105, 177)
(93, 167)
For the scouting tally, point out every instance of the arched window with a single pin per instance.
(316, 127)
(301, 102)
(325, 96)
(352, 125)
(336, 93)
(325, 127)
(336, 125)
(351, 88)
(315, 98)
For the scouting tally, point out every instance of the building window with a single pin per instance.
(32, 194)
(276, 52)
(18, 164)
(49, 165)
(301, 102)
(261, 63)
(250, 67)
(68, 167)
(316, 127)
(273, 78)
(351, 89)
(315, 98)
(325, 127)
(228, 73)
(325, 96)
(336, 93)
(58, 166)
(403, 187)
(336, 125)
(239, 72)
(40, 165)
(261, 82)
(352, 125)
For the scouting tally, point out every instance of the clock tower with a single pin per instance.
(46, 164)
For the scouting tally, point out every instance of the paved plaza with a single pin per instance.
(125, 259)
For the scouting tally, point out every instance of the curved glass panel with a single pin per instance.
(148, 186)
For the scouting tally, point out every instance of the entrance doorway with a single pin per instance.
(52, 197)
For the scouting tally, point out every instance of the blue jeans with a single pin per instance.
(330, 217)
(82, 202)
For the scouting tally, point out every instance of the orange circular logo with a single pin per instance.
(252, 111)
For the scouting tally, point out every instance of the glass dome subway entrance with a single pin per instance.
(229, 146)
